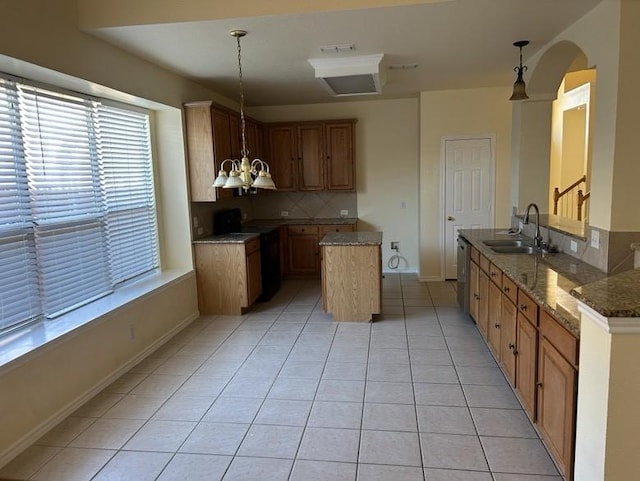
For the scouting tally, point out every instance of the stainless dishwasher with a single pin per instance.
(464, 256)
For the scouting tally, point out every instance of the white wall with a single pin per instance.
(451, 113)
(386, 169)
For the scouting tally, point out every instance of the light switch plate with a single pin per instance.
(595, 239)
(344, 212)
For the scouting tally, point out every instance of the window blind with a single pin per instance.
(19, 300)
(77, 210)
(125, 153)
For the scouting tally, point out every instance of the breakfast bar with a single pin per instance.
(351, 275)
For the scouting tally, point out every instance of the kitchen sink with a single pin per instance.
(505, 243)
(515, 249)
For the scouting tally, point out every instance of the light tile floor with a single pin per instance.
(284, 394)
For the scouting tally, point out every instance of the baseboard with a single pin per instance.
(31, 437)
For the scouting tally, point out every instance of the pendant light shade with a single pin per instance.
(244, 173)
(519, 86)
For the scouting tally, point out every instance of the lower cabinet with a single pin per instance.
(537, 354)
(228, 276)
(300, 250)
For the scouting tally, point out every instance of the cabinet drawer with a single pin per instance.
(495, 275)
(325, 229)
(484, 263)
(252, 245)
(509, 288)
(565, 342)
(528, 307)
(302, 229)
(475, 255)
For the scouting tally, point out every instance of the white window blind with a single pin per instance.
(19, 300)
(125, 153)
(77, 211)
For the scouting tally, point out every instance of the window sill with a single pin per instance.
(20, 345)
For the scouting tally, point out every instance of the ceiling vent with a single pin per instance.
(350, 75)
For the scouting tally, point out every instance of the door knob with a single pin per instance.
(451, 218)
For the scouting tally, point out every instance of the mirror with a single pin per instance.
(570, 157)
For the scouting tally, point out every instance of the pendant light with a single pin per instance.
(519, 87)
(243, 173)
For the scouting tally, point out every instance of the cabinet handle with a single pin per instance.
(505, 289)
(476, 296)
(493, 274)
(539, 384)
(511, 346)
(496, 325)
(523, 307)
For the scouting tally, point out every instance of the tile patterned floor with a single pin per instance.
(285, 394)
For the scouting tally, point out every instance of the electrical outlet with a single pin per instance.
(284, 213)
(344, 212)
(595, 239)
(200, 231)
(573, 246)
(195, 222)
(395, 245)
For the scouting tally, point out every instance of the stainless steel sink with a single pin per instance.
(511, 249)
(505, 243)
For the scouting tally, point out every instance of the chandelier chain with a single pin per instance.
(244, 152)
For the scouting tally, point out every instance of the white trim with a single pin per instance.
(492, 176)
(612, 325)
(40, 430)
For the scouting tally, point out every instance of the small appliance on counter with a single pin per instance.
(230, 222)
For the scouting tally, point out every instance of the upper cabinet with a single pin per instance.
(313, 156)
(213, 135)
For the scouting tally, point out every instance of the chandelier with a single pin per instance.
(243, 173)
(519, 87)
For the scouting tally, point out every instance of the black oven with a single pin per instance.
(230, 222)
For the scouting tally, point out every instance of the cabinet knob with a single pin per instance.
(539, 384)
(511, 346)
(493, 274)
(476, 296)
(496, 325)
(523, 307)
(505, 288)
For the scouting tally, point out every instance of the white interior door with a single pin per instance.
(468, 165)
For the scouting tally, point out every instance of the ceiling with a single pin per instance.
(456, 44)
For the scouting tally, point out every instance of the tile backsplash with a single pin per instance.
(304, 205)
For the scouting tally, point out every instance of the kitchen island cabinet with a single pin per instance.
(228, 273)
(352, 275)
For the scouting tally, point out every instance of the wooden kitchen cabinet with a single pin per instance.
(557, 391)
(313, 156)
(213, 135)
(526, 365)
(483, 304)
(300, 250)
(228, 276)
(508, 344)
(474, 289)
(340, 160)
(283, 157)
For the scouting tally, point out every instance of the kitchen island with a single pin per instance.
(351, 265)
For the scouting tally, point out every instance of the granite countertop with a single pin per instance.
(614, 296)
(548, 278)
(235, 238)
(352, 239)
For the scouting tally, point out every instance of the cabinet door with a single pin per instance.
(494, 331)
(340, 156)
(323, 230)
(221, 145)
(302, 252)
(254, 277)
(254, 140)
(310, 157)
(202, 166)
(526, 366)
(557, 404)
(282, 156)
(235, 137)
(474, 294)
(508, 350)
(483, 304)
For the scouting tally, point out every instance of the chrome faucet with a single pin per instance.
(537, 240)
